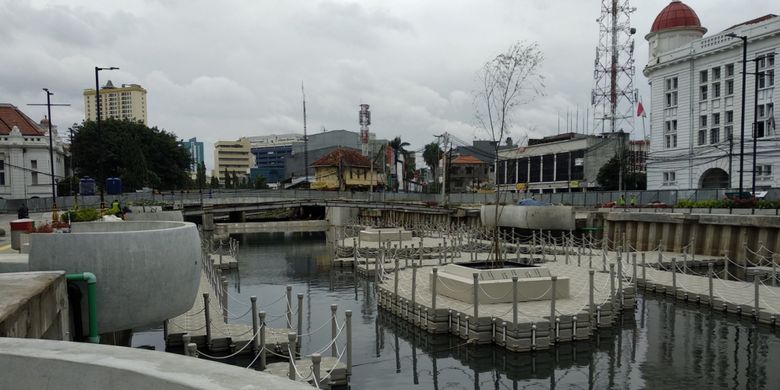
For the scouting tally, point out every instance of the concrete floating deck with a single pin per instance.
(221, 261)
(575, 318)
(224, 336)
(304, 367)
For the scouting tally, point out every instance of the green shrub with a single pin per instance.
(80, 215)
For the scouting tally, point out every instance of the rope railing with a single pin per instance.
(248, 343)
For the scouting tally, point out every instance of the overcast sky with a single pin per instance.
(222, 70)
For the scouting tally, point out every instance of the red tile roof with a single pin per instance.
(466, 159)
(350, 158)
(11, 116)
(676, 15)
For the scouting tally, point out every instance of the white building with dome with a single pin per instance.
(696, 89)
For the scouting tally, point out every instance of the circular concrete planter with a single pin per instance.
(147, 272)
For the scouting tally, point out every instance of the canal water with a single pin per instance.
(662, 345)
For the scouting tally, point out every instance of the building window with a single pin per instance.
(715, 135)
(702, 130)
(670, 86)
(715, 90)
(34, 166)
(715, 74)
(670, 134)
(729, 87)
(766, 71)
(763, 171)
(765, 123)
(702, 77)
(730, 70)
(729, 129)
(670, 178)
(716, 119)
(703, 92)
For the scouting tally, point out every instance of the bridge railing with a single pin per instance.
(587, 199)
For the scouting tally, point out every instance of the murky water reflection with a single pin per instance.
(663, 345)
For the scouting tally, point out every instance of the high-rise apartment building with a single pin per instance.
(195, 148)
(125, 102)
(232, 156)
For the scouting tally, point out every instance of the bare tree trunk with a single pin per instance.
(496, 246)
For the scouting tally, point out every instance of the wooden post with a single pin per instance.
(192, 349)
(224, 297)
(710, 273)
(612, 283)
(299, 328)
(644, 270)
(756, 286)
(333, 330)
(685, 260)
(440, 254)
(348, 314)
(620, 281)
(554, 281)
(291, 349)
(261, 315)
(207, 315)
(604, 260)
(514, 300)
(434, 282)
(289, 306)
(185, 341)
(633, 270)
(475, 275)
(726, 264)
(775, 258)
(592, 285)
(253, 300)
(674, 275)
(660, 256)
(414, 286)
(315, 363)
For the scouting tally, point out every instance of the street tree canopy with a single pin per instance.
(139, 155)
(609, 176)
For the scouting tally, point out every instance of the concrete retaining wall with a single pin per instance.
(58, 365)
(147, 272)
(711, 234)
(529, 217)
(33, 305)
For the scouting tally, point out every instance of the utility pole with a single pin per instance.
(54, 211)
(305, 138)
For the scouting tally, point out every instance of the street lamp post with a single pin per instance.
(100, 136)
(742, 115)
(54, 211)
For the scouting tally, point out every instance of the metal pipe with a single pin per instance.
(91, 280)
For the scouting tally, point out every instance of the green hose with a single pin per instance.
(91, 280)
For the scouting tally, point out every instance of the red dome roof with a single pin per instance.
(675, 15)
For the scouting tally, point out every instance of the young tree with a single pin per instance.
(398, 147)
(200, 175)
(260, 183)
(506, 82)
(214, 182)
(432, 155)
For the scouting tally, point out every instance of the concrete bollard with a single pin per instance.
(726, 264)
(579, 259)
(633, 270)
(644, 270)
(685, 260)
(775, 259)
(475, 275)
(592, 287)
(660, 255)
(348, 316)
(299, 326)
(261, 317)
(710, 274)
(253, 300)
(291, 341)
(514, 300)
(207, 315)
(333, 329)
(289, 306)
(440, 253)
(395, 281)
(185, 341)
(316, 359)
(224, 297)
(590, 243)
(192, 350)
(554, 281)
(434, 282)
(674, 275)
(604, 260)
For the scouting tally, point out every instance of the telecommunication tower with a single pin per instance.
(614, 96)
(364, 120)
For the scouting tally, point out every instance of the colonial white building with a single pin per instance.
(25, 169)
(696, 85)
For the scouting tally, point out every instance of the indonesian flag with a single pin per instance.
(640, 110)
